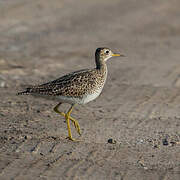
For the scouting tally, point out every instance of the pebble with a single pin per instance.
(111, 141)
(165, 142)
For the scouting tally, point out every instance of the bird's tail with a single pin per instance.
(23, 93)
(27, 91)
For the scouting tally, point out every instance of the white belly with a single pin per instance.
(91, 97)
(83, 100)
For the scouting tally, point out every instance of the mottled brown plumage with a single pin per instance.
(75, 84)
(79, 87)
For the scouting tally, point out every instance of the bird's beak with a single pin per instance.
(117, 54)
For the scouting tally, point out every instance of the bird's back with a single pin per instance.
(76, 84)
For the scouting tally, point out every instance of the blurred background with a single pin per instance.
(41, 40)
(42, 35)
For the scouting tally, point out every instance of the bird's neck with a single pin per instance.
(100, 63)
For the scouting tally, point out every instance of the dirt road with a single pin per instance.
(139, 108)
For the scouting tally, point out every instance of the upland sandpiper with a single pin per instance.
(79, 87)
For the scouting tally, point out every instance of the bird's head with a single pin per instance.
(105, 54)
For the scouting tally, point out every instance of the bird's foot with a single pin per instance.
(72, 139)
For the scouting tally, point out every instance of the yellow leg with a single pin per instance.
(75, 122)
(67, 117)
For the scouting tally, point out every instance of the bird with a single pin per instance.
(79, 87)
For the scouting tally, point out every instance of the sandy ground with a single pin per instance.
(139, 108)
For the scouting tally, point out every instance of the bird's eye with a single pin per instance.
(107, 52)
